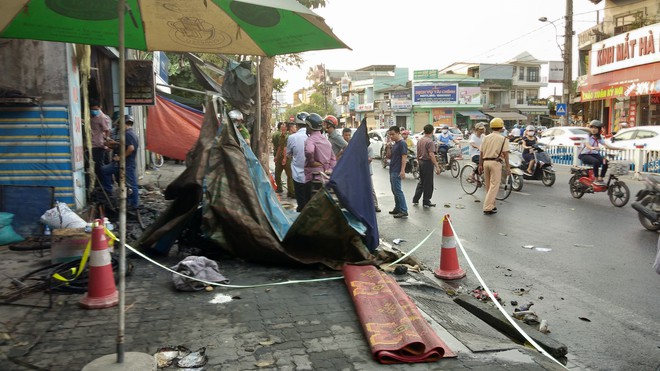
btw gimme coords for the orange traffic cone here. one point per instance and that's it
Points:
(101, 289)
(449, 268)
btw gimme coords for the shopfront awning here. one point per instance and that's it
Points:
(474, 115)
(507, 115)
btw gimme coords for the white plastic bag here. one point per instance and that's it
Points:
(62, 217)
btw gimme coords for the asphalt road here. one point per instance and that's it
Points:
(599, 266)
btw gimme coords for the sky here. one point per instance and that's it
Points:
(432, 34)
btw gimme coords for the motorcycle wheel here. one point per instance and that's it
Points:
(517, 182)
(548, 178)
(646, 223)
(469, 181)
(157, 159)
(574, 185)
(415, 170)
(619, 194)
(455, 169)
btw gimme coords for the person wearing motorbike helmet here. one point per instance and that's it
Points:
(494, 155)
(236, 117)
(405, 134)
(528, 143)
(337, 140)
(590, 151)
(295, 149)
(319, 157)
(444, 140)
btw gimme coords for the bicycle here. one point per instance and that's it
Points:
(471, 180)
(156, 159)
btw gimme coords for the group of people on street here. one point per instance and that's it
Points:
(105, 152)
(305, 154)
(310, 155)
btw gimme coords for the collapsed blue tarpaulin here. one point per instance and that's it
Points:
(351, 181)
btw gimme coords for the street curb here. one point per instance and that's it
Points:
(494, 318)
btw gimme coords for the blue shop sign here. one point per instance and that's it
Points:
(434, 94)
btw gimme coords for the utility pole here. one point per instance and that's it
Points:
(325, 90)
(568, 61)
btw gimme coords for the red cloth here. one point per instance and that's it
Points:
(396, 331)
(172, 128)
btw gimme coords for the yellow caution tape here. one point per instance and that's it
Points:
(75, 272)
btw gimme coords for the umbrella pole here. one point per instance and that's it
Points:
(122, 184)
(136, 361)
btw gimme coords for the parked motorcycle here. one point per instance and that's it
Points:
(648, 203)
(543, 170)
(583, 180)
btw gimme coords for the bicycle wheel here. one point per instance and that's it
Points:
(157, 159)
(469, 177)
(506, 186)
(455, 168)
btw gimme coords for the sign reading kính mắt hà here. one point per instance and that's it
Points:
(634, 48)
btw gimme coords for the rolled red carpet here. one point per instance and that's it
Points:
(396, 331)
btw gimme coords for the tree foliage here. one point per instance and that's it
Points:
(317, 104)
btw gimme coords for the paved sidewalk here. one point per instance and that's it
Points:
(304, 326)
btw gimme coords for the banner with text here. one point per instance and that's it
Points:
(435, 94)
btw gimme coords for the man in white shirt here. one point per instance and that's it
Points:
(295, 147)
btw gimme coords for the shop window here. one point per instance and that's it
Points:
(627, 22)
(520, 97)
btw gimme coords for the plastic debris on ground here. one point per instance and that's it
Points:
(194, 359)
(220, 299)
(166, 356)
(398, 241)
(481, 294)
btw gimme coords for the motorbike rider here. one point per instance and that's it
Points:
(444, 139)
(528, 143)
(405, 134)
(236, 118)
(590, 151)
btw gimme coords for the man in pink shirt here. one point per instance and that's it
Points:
(100, 125)
(319, 157)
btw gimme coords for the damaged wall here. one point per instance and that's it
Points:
(36, 68)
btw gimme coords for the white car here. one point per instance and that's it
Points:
(377, 140)
(564, 135)
(456, 132)
(648, 136)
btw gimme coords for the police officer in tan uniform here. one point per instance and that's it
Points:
(494, 155)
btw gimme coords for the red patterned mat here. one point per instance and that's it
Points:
(396, 331)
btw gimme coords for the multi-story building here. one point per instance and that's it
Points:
(445, 98)
(510, 90)
(375, 93)
(619, 65)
